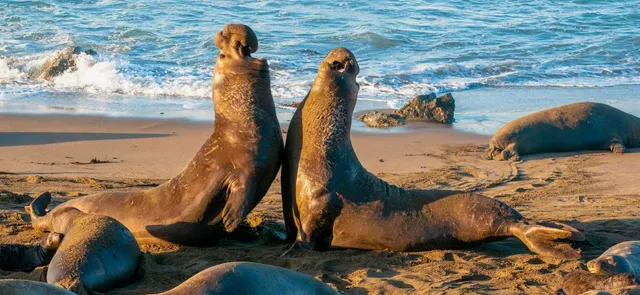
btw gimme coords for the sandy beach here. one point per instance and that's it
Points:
(592, 191)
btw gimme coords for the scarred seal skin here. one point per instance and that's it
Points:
(28, 257)
(622, 258)
(97, 253)
(24, 287)
(250, 278)
(331, 200)
(572, 127)
(230, 173)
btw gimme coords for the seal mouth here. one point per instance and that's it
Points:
(342, 66)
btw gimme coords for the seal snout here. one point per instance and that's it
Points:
(238, 37)
(342, 60)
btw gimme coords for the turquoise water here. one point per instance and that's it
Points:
(501, 59)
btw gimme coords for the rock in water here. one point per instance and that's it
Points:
(430, 107)
(379, 120)
(64, 60)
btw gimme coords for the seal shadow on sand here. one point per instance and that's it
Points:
(37, 138)
(531, 157)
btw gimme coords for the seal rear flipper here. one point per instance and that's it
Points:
(542, 240)
(237, 206)
(38, 206)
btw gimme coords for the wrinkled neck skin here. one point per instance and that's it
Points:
(236, 97)
(326, 123)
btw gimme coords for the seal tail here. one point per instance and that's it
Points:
(542, 239)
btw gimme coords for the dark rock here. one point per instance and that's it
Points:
(63, 61)
(429, 107)
(380, 120)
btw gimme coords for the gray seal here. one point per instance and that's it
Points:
(251, 278)
(25, 287)
(230, 173)
(28, 257)
(572, 127)
(620, 258)
(97, 253)
(331, 200)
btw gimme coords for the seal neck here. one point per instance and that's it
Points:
(327, 116)
(243, 99)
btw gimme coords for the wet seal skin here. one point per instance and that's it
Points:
(572, 127)
(251, 278)
(331, 201)
(28, 257)
(230, 173)
(97, 253)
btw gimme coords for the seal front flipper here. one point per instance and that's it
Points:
(616, 146)
(543, 240)
(38, 206)
(240, 195)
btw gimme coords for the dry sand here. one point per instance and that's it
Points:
(592, 191)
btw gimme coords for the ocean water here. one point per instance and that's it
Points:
(501, 59)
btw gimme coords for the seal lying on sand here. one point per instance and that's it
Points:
(231, 172)
(24, 287)
(251, 278)
(620, 258)
(572, 127)
(27, 257)
(332, 200)
(97, 252)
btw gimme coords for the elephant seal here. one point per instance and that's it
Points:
(620, 258)
(28, 257)
(97, 253)
(580, 281)
(25, 287)
(251, 278)
(572, 127)
(331, 200)
(230, 173)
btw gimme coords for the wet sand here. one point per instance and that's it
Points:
(592, 191)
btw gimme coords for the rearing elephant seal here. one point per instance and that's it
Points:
(572, 127)
(620, 258)
(333, 201)
(97, 252)
(231, 172)
(250, 278)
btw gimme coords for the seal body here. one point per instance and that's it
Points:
(331, 200)
(251, 278)
(620, 258)
(97, 252)
(25, 287)
(230, 173)
(572, 127)
(28, 257)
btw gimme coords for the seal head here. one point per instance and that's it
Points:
(610, 265)
(236, 43)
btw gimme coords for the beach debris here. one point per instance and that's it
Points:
(34, 179)
(60, 63)
(378, 119)
(426, 107)
(93, 160)
(429, 107)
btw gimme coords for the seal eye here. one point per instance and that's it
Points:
(222, 55)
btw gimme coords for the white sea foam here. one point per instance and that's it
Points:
(8, 74)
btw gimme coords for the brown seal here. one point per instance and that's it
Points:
(572, 127)
(580, 281)
(250, 278)
(331, 200)
(28, 257)
(231, 172)
(97, 253)
(25, 287)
